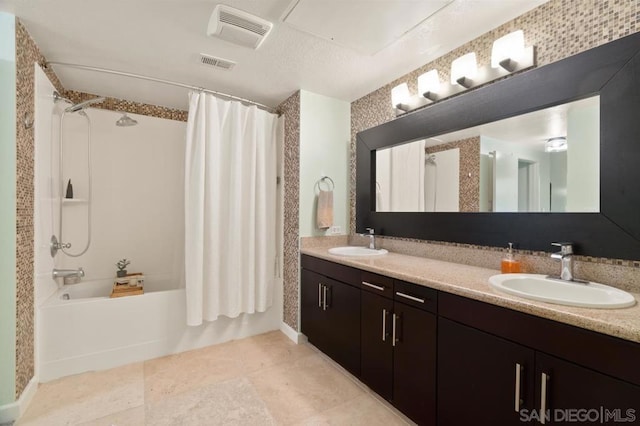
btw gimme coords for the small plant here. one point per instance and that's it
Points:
(122, 264)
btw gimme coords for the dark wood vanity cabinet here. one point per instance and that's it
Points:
(330, 316)
(482, 379)
(449, 360)
(506, 367)
(398, 341)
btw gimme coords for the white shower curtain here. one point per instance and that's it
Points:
(230, 208)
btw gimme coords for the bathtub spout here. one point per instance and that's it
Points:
(67, 273)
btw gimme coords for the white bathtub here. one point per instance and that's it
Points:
(91, 331)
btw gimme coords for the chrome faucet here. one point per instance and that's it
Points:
(372, 237)
(565, 256)
(67, 273)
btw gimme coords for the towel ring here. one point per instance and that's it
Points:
(323, 179)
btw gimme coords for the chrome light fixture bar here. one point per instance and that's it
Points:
(508, 56)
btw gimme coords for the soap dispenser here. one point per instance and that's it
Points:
(509, 264)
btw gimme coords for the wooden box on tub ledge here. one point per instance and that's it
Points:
(130, 285)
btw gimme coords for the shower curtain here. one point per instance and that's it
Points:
(230, 208)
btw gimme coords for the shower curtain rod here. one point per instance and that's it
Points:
(160, 80)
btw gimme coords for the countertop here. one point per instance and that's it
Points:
(473, 282)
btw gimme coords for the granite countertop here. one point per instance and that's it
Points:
(473, 282)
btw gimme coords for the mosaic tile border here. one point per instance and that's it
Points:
(290, 108)
(114, 104)
(27, 53)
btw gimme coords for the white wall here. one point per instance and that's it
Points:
(583, 158)
(507, 154)
(138, 184)
(325, 131)
(7, 209)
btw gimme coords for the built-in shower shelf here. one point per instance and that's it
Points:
(73, 201)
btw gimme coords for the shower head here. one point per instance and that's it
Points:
(126, 121)
(430, 159)
(83, 105)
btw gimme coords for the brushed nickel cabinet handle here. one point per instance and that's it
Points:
(543, 397)
(384, 325)
(393, 337)
(518, 391)
(324, 298)
(377, 287)
(319, 295)
(407, 296)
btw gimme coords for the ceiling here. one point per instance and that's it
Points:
(339, 48)
(532, 129)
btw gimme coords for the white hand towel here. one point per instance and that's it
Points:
(324, 214)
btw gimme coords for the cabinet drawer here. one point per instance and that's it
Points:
(336, 271)
(415, 295)
(378, 284)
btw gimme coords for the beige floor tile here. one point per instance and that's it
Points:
(131, 417)
(269, 349)
(174, 374)
(233, 402)
(364, 410)
(84, 397)
(303, 388)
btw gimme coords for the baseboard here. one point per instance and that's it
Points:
(292, 334)
(12, 412)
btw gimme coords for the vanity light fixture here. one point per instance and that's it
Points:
(557, 144)
(508, 50)
(464, 69)
(508, 56)
(400, 97)
(429, 85)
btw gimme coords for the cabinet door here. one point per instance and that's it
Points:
(377, 350)
(312, 317)
(414, 363)
(478, 377)
(574, 394)
(343, 325)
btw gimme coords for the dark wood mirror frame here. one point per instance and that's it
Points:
(611, 71)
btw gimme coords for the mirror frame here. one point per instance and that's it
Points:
(611, 71)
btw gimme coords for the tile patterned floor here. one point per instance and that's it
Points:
(261, 380)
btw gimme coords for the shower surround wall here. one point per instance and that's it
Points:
(138, 187)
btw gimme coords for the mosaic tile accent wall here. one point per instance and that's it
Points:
(291, 257)
(469, 175)
(27, 54)
(114, 104)
(558, 29)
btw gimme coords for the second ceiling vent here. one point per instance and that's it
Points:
(238, 27)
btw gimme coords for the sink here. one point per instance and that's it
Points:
(356, 251)
(539, 287)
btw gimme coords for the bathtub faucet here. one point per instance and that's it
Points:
(68, 273)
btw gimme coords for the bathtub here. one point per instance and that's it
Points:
(82, 329)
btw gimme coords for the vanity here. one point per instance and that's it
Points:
(436, 341)
(434, 338)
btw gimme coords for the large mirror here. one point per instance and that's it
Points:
(591, 197)
(543, 161)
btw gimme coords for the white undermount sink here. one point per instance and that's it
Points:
(539, 287)
(356, 251)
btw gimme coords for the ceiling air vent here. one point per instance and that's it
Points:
(220, 63)
(238, 27)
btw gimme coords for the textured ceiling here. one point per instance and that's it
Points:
(163, 38)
